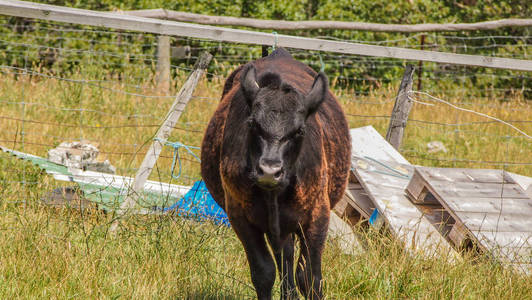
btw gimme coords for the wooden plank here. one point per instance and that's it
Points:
(495, 222)
(459, 235)
(508, 206)
(122, 182)
(182, 16)
(499, 225)
(503, 239)
(126, 22)
(152, 155)
(467, 175)
(367, 142)
(341, 206)
(401, 110)
(417, 192)
(417, 189)
(386, 190)
(524, 181)
(509, 246)
(360, 199)
(466, 190)
(355, 205)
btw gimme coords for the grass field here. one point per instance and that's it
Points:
(50, 253)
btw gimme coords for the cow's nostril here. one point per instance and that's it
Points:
(278, 174)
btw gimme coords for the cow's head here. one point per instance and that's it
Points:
(277, 124)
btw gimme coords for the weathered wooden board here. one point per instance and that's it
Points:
(355, 206)
(366, 141)
(496, 222)
(488, 207)
(467, 190)
(524, 181)
(384, 175)
(361, 199)
(182, 16)
(515, 239)
(469, 175)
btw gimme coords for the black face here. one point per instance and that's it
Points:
(277, 125)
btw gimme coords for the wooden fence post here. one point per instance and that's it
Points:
(163, 63)
(401, 109)
(420, 64)
(161, 137)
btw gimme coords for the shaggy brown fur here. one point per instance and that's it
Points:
(315, 181)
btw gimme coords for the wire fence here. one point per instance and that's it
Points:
(64, 83)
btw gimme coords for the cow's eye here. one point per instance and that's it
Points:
(257, 128)
(294, 134)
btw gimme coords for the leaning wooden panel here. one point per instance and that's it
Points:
(384, 175)
(497, 216)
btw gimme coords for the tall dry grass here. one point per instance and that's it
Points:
(51, 253)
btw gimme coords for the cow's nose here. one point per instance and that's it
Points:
(270, 173)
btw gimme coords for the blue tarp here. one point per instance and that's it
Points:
(198, 203)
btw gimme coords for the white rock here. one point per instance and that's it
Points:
(79, 155)
(436, 146)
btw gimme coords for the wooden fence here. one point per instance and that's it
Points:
(181, 16)
(164, 27)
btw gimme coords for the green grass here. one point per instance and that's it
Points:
(50, 253)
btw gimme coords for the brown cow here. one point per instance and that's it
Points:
(276, 156)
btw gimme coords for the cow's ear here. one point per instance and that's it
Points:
(248, 82)
(317, 93)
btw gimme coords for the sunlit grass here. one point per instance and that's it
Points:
(49, 253)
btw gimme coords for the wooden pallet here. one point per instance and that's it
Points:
(384, 174)
(355, 206)
(486, 208)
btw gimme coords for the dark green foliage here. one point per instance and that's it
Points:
(360, 73)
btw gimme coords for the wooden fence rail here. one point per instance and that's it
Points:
(126, 22)
(180, 16)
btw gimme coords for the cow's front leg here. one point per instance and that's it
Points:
(285, 266)
(261, 264)
(308, 271)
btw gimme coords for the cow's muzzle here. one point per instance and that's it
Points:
(269, 174)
